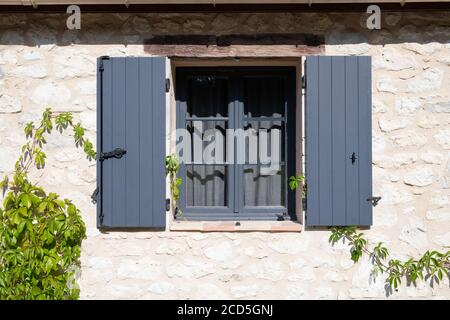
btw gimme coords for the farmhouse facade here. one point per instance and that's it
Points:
(363, 113)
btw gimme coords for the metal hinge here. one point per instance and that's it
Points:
(116, 153)
(167, 204)
(303, 82)
(304, 204)
(374, 200)
(101, 67)
(167, 85)
(101, 216)
(94, 195)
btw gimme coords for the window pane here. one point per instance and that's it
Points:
(206, 185)
(264, 142)
(207, 141)
(264, 97)
(208, 97)
(264, 186)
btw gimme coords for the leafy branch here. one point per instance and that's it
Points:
(432, 266)
(172, 168)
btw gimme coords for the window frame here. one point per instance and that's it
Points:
(235, 210)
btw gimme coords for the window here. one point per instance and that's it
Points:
(226, 176)
(235, 126)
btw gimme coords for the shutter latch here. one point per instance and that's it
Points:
(353, 158)
(374, 200)
(116, 153)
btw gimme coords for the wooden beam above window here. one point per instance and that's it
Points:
(244, 45)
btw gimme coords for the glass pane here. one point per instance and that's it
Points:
(206, 185)
(264, 186)
(264, 142)
(264, 97)
(208, 97)
(207, 141)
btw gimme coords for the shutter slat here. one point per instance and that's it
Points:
(107, 142)
(365, 141)
(312, 141)
(119, 141)
(132, 142)
(325, 143)
(159, 147)
(338, 124)
(338, 139)
(351, 97)
(133, 95)
(145, 183)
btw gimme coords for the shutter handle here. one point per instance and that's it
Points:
(353, 158)
(116, 153)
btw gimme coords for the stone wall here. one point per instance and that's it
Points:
(42, 63)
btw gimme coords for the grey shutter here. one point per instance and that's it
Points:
(338, 123)
(131, 116)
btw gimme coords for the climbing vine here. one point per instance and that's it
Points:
(433, 266)
(40, 233)
(172, 168)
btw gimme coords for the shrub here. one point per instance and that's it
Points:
(40, 233)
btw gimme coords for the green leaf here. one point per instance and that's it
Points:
(26, 200)
(42, 206)
(295, 181)
(23, 211)
(20, 229)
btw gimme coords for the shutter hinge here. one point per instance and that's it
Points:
(101, 218)
(304, 204)
(94, 201)
(116, 153)
(167, 85)
(303, 82)
(101, 67)
(374, 200)
(167, 204)
(94, 195)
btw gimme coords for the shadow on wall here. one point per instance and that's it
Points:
(37, 29)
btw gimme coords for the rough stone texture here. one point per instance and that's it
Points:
(42, 63)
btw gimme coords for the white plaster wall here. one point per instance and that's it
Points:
(42, 63)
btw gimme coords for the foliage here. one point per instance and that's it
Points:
(432, 266)
(296, 181)
(172, 168)
(40, 233)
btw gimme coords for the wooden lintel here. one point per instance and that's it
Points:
(241, 51)
(235, 45)
(239, 39)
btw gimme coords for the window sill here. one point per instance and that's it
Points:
(230, 226)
